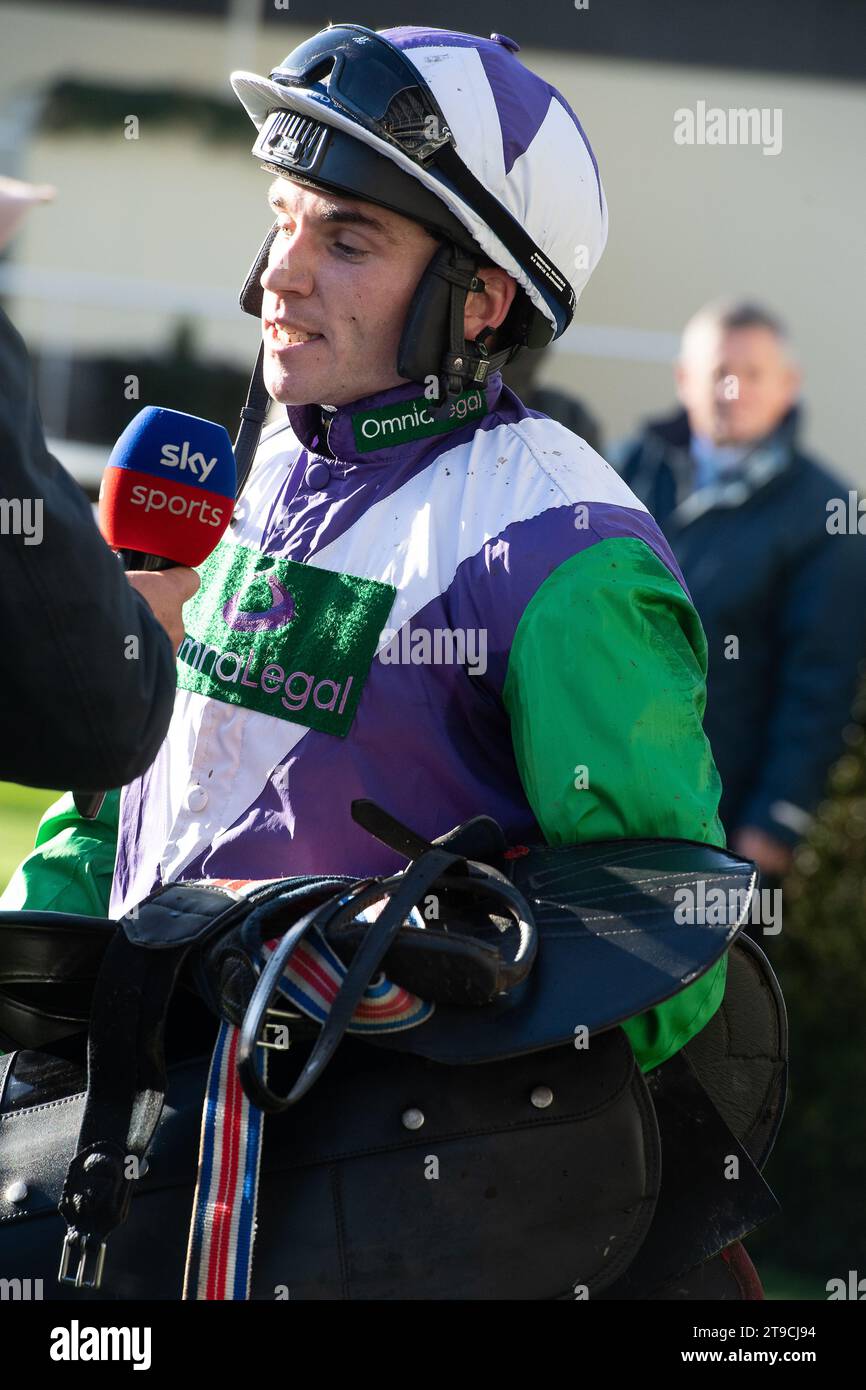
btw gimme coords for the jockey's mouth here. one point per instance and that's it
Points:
(282, 334)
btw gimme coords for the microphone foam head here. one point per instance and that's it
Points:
(169, 486)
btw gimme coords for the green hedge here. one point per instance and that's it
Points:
(72, 106)
(818, 1167)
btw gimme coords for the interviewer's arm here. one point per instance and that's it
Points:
(88, 671)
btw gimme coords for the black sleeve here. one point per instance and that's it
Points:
(87, 671)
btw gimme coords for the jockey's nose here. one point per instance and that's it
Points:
(291, 264)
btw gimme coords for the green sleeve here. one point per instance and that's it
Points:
(72, 865)
(605, 689)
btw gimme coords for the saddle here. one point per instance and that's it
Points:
(453, 1109)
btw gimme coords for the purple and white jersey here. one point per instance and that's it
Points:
(351, 637)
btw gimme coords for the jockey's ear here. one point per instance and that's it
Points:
(488, 308)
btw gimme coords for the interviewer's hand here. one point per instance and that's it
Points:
(166, 591)
(771, 856)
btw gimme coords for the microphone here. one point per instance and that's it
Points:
(166, 498)
(168, 490)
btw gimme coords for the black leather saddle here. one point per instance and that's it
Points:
(485, 1152)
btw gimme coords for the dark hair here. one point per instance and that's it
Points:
(730, 314)
(727, 315)
(745, 314)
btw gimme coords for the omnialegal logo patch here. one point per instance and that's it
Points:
(287, 639)
(388, 425)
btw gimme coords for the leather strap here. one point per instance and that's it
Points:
(403, 891)
(480, 838)
(383, 826)
(253, 416)
(126, 1074)
(126, 1082)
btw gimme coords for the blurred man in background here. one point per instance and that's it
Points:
(780, 595)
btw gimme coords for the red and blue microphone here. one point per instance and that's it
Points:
(168, 490)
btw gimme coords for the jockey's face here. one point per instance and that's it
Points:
(343, 271)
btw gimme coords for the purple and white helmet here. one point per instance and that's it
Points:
(490, 140)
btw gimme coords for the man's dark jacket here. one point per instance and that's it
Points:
(88, 677)
(762, 567)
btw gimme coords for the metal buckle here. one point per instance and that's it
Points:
(71, 1239)
(277, 1014)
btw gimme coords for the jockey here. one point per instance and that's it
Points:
(429, 595)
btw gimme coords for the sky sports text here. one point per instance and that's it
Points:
(178, 456)
(153, 499)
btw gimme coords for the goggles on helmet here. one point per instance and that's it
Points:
(370, 80)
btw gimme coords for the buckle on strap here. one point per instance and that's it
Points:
(89, 1254)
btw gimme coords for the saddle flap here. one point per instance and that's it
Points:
(711, 1192)
(347, 1207)
(741, 1056)
(47, 947)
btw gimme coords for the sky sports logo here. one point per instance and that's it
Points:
(154, 499)
(178, 456)
(169, 487)
(196, 468)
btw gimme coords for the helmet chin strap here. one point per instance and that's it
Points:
(253, 414)
(433, 349)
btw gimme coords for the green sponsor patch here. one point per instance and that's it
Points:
(290, 640)
(396, 424)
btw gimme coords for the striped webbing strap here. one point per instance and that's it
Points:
(220, 1251)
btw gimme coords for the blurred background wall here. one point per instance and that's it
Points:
(144, 250)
